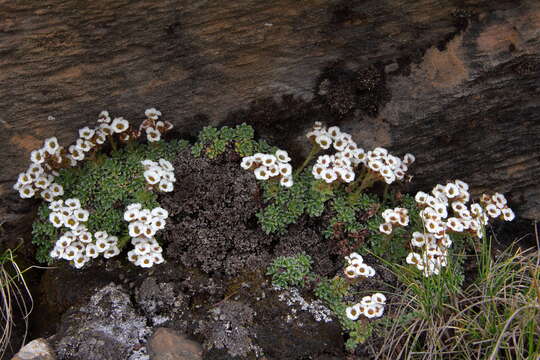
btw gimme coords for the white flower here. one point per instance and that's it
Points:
(285, 169)
(112, 240)
(286, 181)
(261, 173)
(119, 125)
(144, 216)
(408, 159)
(142, 248)
(354, 256)
(454, 224)
(134, 206)
(56, 219)
(136, 229)
(80, 260)
(247, 162)
(92, 251)
(329, 175)
(159, 212)
(317, 171)
(81, 215)
(166, 165)
(166, 186)
(353, 312)
(132, 256)
(152, 113)
(351, 272)
(102, 245)
(131, 215)
(157, 258)
(111, 252)
(145, 261)
(37, 156)
(493, 210)
(379, 298)
(51, 145)
(282, 156)
(152, 134)
(414, 259)
(418, 239)
(73, 203)
(47, 195)
(101, 235)
(269, 160)
(42, 182)
(273, 170)
(152, 176)
(85, 237)
(70, 252)
(451, 190)
(71, 222)
(508, 214)
(56, 253)
(385, 228)
(86, 133)
(26, 192)
(76, 153)
(324, 141)
(149, 231)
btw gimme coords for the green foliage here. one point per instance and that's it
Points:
(347, 210)
(331, 292)
(105, 186)
(289, 271)
(213, 142)
(394, 247)
(286, 205)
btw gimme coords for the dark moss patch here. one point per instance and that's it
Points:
(344, 90)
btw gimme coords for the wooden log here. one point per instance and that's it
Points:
(454, 82)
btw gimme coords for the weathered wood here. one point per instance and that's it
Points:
(455, 82)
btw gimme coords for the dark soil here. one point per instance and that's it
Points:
(213, 224)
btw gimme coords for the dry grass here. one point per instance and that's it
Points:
(494, 316)
(15, 298)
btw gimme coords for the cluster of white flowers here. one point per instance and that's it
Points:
(153, 127)
(78, 244)
(357, 267)
(39, 177)
(159, 175)
(341, 165)
(68, 213)
(496, 206)
(394, 218)
(387, 166)
(266, 166)
(89, 138)
(143, 226)
(370, 306)
(446, 211)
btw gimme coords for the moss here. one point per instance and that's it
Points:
(289, 271)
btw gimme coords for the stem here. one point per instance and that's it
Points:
(367, 181)
(113, 143)
(314, 150)
(385, 194)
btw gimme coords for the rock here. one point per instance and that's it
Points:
(159, 301)
(107, 327)
(167, 344)
(38, 349)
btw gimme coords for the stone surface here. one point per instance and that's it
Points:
(107, 327)
(167, 344)
(38, 349)
(464, 96)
